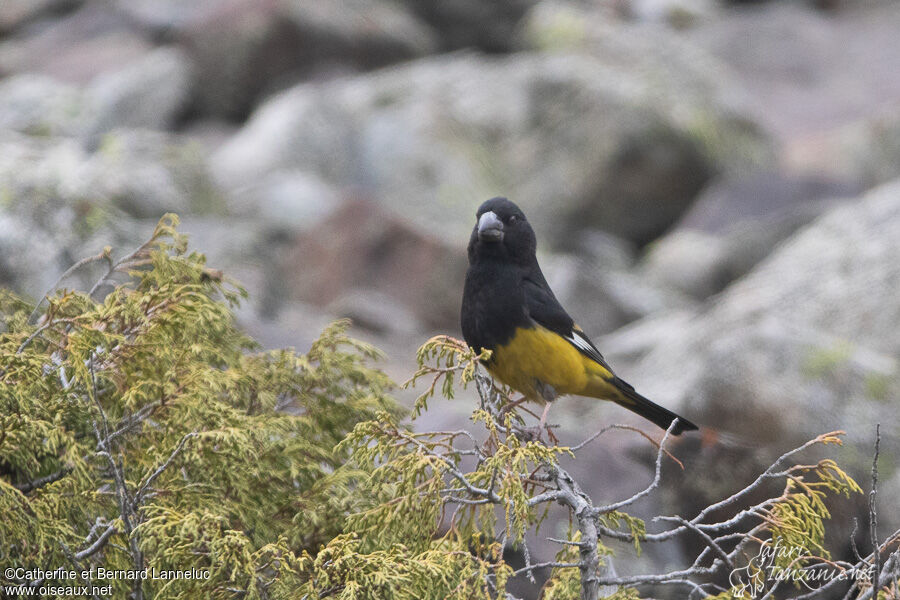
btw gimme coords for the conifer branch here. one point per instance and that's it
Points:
(42, 481)
(142, 490)
(98, 543)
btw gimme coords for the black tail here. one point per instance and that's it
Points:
(649, 409)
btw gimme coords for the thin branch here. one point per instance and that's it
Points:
(104, 254)
(42, 481)
(706, 538)
(567, 542)
(671, 577)
(98, 544)
(142, 490)
(873, 513)
(544, 565)
(653, 484)
(113, 266)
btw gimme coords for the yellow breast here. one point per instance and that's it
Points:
(540, 355)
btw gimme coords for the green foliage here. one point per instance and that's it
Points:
(144, 430)
(224, 455)
(450, 356)
(798, 517)
(564, 583)
(423, 535)
(635, 526)
(431, 527)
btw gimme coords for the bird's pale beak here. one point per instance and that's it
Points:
(490, 228)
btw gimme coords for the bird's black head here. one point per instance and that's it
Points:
(501, 231)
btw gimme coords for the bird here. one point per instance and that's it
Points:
(536, 347)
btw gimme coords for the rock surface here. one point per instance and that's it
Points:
(149, 93)
(694, 171)
(797, 347)
(77, 47)
(359, 246)
(734, 224)
(575, 139)
(61, 202)
(245, 49)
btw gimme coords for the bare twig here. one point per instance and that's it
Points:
(653, 484)
(715, 547)
(98, 543)
(113, 266)
(104, 254)
(545, 565)
(873, 513)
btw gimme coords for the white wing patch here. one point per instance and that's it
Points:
(586, 347)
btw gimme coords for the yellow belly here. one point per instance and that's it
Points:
(540, 355)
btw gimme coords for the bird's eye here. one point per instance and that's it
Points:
(513, 218)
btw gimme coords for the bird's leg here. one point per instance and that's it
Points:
(543, 425)
(548, 393)
(544, 415)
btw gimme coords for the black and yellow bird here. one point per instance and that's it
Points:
(536, 347)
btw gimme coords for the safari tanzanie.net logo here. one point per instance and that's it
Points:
(778, 563)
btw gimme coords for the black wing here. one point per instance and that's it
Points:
(545, 310)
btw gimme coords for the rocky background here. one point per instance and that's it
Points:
(715, 186)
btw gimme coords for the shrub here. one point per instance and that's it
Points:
(144, 430)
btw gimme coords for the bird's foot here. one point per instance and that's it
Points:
(543, 425)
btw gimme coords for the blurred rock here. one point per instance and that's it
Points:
(626, 346)
(148, 173)
(836, 277)
(296, 325)
(29, 257)
(803, 344)
(287, 202)
(245, 48)
(764, 195)
(164, 19)
(679, 78)
(210, 134)
(360, 247)
(693, 262)
(579, 141)
(238, 47)
(39, 105)
(735, 224)
(602, 299)
(376, 312)
(679, 14)
(64, 203)
(36, 168)
(152, 92)
(867, 150)
(488, 26)
(230, 243)
(808, 71)
(50, 214)
(77, 47)
(14, 13)
(364, 33)
(650, 179)
(602, 249)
